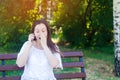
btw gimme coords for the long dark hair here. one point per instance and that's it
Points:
(52, 46)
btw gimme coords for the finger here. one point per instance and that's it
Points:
(31, 37)
(41, 36)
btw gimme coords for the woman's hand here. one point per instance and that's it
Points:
(43, 40)
(31, 38)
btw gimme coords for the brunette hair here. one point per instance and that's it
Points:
(50, 43)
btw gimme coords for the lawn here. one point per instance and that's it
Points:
(99, 62)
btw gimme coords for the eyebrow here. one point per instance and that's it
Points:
(36, 29)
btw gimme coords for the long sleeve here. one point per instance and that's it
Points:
(57, 55)
(23, 48)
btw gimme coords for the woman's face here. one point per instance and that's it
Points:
(40, 29)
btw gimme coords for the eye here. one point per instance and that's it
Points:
(43, 30)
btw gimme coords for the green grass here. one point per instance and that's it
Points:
(105, 53)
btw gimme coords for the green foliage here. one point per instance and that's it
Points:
(86, 23)
(14, 23)
(69, 16)
(102, 22)
(81, 23)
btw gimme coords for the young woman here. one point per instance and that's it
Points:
(39, 54)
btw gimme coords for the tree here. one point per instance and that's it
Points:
(82, 23)
(14, 22)
(116, 15)
(16, 19)
(85, 23)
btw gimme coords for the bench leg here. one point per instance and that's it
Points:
(81, 60)
(3, 72)
(83, 78)
(82, 68)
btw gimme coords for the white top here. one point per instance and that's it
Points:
(38, 66)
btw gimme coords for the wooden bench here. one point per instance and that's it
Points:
(79, 64)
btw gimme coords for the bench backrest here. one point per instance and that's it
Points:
(67, 55)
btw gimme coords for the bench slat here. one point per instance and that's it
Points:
(66, 54)
(9, 67)
(72, 54)
(65, 65)
(73, 64)
(58, 76)
(11, 78)
(70, 75)
(8, 56)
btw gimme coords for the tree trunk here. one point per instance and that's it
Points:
(116, 16)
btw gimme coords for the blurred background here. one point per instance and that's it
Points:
(76, 25)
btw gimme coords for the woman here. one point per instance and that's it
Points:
(39, 54)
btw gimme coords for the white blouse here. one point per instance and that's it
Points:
(38, 66)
